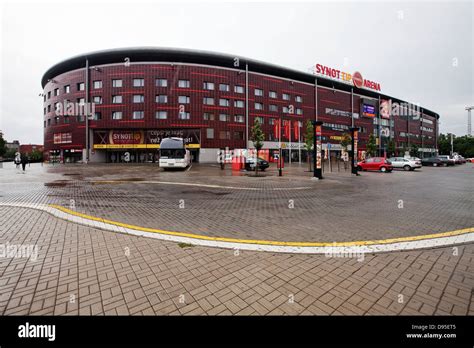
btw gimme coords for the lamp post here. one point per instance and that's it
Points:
(355, 138)
(317, 148)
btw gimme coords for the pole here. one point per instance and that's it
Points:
(421, 131)
(289, 148)
(86, 109)
(299, 142)
(452, 147)
(380, 130)
(279, 169)
(352, 107)
(246, 106)
(355, 139)
(317, 145)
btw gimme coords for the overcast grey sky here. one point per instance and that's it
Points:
(418, 51)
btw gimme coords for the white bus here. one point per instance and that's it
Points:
(173, 153)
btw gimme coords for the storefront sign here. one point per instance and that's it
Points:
(356, 79)
(121, 137)
(335, 112)
(318, 132)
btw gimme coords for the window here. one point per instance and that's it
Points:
(259, 119)
(239, 103)
(224, 87)
(285, 96)
(49, 108)
(67, 89)
(117, 99)
(239, 119)
(49, 122)
(97, 84)
(81, 101)
(44, 111)
(273, 107)
(224, 135)
(239, 89)
(285, 109)
(117, 83)
(138, 115)
(299, 111)
(97, 116)
(208, 101)
(56, 92)
(258, 106)
(81, 118)
(44, 124)
(138, 98)
(271, 121)
(183, 84)
(298, 99)
(259, 92)
(116, 115)
(161, 115)
(138, 82)
(161, 99)
(224, 117)
(161, 83)
(272, 94)
(184, 115)
(56, 120)
(80, 86)
(208, 86)
(49, 95)
(210, 133)
(182, 99)
(44, 97)
(208, 117)
(224, 102)
(238, 135)
(97, 100)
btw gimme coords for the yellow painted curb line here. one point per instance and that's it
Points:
(268, 242)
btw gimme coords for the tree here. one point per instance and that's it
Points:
(309, 140)
(414, 150)
(3, 148)
(257, 138)
(346, 139)
(444, 144)
(371, 146)
(391, 148)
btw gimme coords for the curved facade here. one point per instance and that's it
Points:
(138, 96)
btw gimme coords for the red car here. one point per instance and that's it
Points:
(375, 163)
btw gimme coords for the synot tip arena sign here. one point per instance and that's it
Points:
(356, 78)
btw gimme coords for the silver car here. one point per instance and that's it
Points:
(405, 163)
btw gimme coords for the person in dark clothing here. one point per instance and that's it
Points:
(24, 161)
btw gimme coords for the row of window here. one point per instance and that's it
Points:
(182, 99)
(160, 82)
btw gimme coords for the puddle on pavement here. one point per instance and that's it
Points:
(57, 183)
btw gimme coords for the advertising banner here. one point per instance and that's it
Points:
(385, 109)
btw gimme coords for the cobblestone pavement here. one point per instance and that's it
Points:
(81, 270)
(86, 271)
(292, 208)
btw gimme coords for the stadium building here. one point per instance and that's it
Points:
(137, 96)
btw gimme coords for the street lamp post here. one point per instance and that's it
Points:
(355, 138)
(317, 148)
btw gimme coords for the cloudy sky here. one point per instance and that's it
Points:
(419, 51)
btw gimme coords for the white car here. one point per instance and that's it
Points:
(405, 163)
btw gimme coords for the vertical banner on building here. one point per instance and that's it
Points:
(317, 149)
(355, 139)
(276, 129)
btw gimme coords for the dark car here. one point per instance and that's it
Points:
(432, 161)
(250, 164)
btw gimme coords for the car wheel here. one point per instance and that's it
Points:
(445, 164)
(383, 169)
(359, 168)
(435, 164)
(406, 168)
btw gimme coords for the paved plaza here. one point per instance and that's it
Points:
(85, 270)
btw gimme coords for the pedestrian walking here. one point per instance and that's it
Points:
(24, 161)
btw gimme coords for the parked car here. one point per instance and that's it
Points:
(375, 163)
(458, 159)
(471, 160)
(447, 160)
(405, 163)
(250, 164)
(432, 161)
